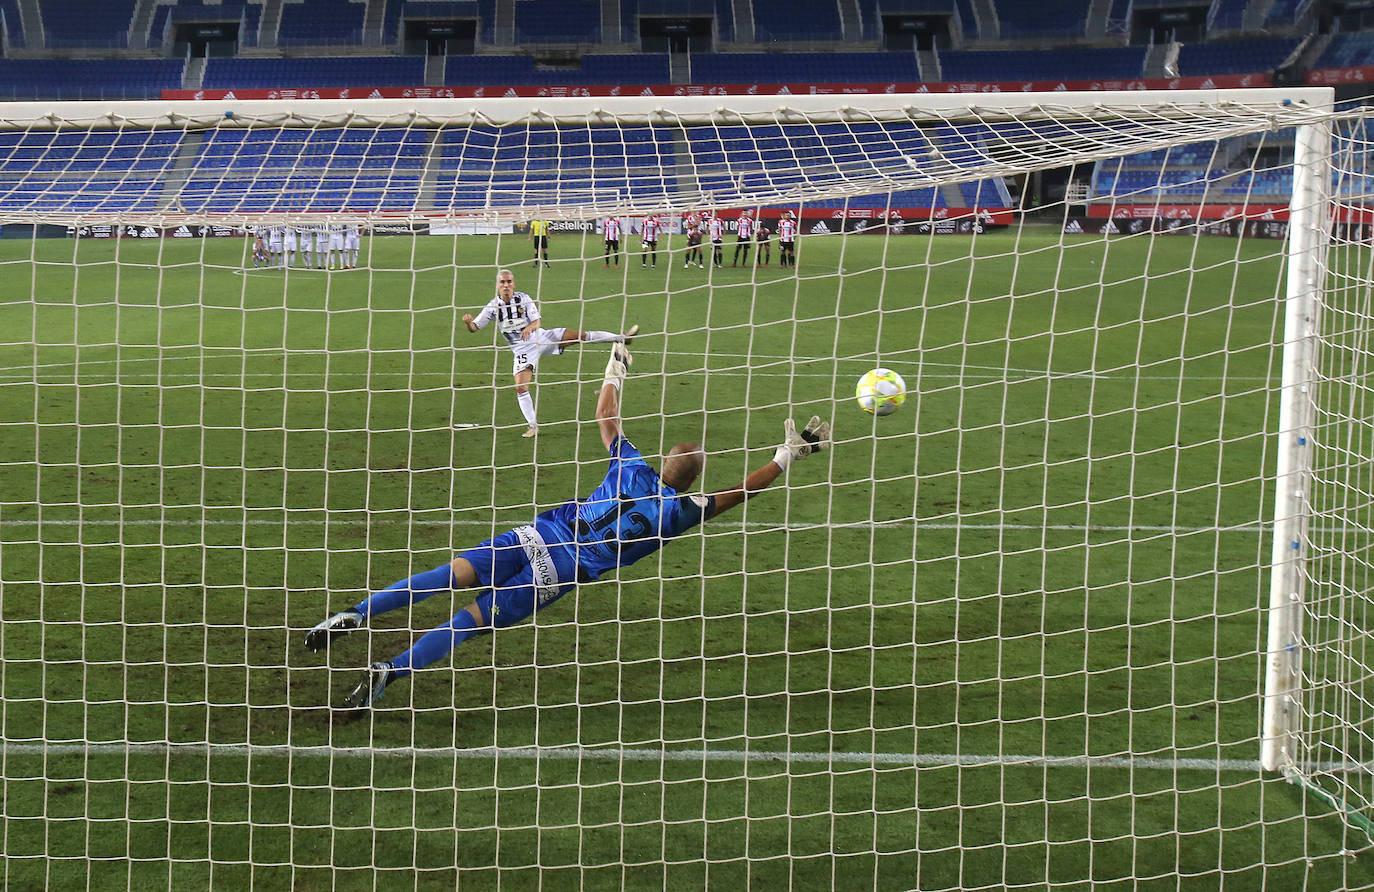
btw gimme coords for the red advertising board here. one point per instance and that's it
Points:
(1321, 77)
(1189, 211)
(1220, 81)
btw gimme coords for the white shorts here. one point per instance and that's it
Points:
(541, 343)
(352, 241)
(290, 241)
(336, 241)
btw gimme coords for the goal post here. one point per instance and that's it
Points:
(1075, 613)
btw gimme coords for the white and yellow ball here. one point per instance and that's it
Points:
(880, 392)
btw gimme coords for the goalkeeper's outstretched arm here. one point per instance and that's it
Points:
(796, 444)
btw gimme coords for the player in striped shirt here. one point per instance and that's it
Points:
(787, 240)
(633, 513)
(610, 230)
(648, 240)
(746, 236)
(517, 317)
(716, 229)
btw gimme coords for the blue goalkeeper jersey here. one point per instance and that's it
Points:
(630, 515)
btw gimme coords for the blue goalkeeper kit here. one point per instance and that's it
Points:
(630, 515)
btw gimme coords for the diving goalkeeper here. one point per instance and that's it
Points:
(633, 513)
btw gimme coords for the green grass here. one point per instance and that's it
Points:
(1054, 549)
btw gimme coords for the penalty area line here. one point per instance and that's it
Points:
(646, 754)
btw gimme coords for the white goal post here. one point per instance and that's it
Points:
(1077, 612)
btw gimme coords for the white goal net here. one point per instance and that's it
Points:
(1089, 608)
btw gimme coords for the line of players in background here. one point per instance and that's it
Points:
(321, 246)
(749, 232)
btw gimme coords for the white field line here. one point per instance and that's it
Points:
(902, 524)
(646, 754)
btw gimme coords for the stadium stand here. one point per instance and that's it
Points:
(797, 20)
(321, 22)
(1348, 51)
(87, 171)
(247, 15)
(398, 11)
(80, 23)
(88, 78)
(13, 23)
(1235, 56)
(373, 71)
(1227, 15)
(1036, 18)
(557, 21)
(1285, 12)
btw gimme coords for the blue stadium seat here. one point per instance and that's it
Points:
(557, 21)
(1350, 50)
(797, 20)
(1235, 56)
(248, 15)
(1036, 18)
(484, 11)
(81, 23)
(315, 22)
(1227, 15)
(88, 78)
(14, 24)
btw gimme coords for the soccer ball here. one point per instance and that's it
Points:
(880, 392)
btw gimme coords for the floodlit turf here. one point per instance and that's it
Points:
(888, 674)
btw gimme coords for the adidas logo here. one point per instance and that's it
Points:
(820, 228)
(375, 94)
(784, 91)
(646, 92)
(181, 232)
(1073, 227)
(1110, 228)
(230, 95)
(510, 93)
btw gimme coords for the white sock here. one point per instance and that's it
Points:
(526, 401)
(601, 337)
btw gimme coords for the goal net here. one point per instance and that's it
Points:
(1089, 608)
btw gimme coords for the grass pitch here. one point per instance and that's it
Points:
(1010, 636)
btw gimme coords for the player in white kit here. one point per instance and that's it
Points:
(517, 316)
(352, 241)
(274, 244)
(288, 243)
(336, 245)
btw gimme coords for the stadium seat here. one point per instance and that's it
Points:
(80, 23)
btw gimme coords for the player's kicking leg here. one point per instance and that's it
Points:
(338, 625)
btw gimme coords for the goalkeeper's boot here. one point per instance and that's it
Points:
(629, 335)
(338, 625)
(369, 690)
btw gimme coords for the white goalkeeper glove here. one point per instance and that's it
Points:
(798, 444)
(615, 366)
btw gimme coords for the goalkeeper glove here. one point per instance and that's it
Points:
(615, 366)
(797, 444)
